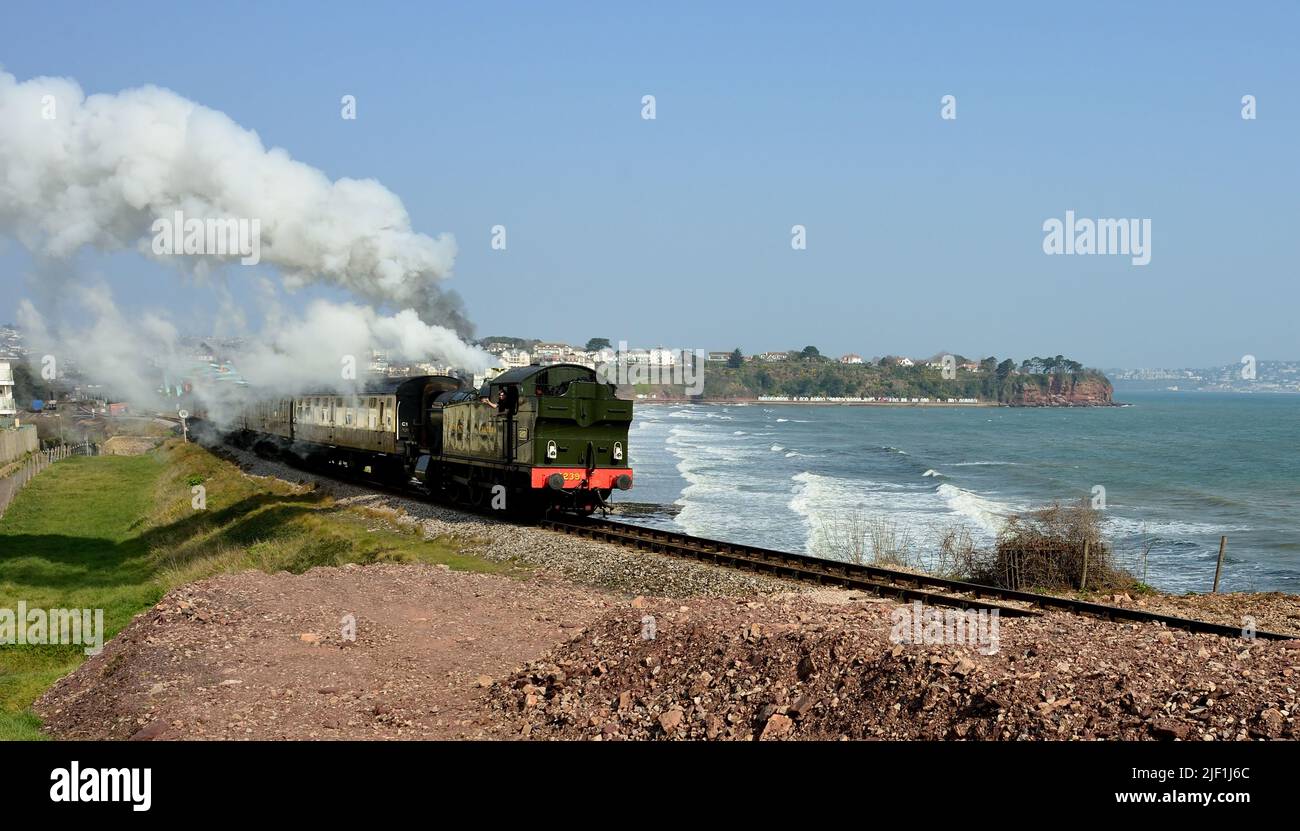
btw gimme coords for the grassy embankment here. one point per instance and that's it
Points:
(116, 532)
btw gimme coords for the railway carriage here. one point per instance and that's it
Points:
(533, 438)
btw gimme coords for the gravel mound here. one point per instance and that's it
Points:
(384, 651)
(796, 668)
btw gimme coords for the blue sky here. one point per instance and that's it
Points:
(923, 234)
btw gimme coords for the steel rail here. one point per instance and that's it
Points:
(883, 581)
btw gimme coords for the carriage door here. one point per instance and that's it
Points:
(508, 406)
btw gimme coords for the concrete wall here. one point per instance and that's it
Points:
(15, 442)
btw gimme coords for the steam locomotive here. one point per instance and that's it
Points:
(533, 439)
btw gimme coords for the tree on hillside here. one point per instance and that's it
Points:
(513, 343)
(596, 344)
(737, 360)
(810, 352)
(832, 385)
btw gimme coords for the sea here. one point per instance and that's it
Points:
(1175, 471)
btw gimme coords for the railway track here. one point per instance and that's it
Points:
(884, 582)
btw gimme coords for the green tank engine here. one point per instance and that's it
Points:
(533, 438)
(555, 435)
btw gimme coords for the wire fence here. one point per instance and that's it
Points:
(29, 468)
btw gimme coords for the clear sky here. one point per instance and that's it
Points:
(923, 234)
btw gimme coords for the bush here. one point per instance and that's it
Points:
(1042, 550)
(1047, 549)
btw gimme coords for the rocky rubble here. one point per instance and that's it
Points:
(796, 668)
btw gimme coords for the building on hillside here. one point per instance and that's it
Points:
(512, 358)
(560, 353)
(11, 343)
(851, 359)
(583, 357)
(906, 362)
(774, 356)
(7, 406)
(497, 347)
(427, 368)
(549, 353)
(658, 356)
(378, 364)
(719, 356)
(663, 357)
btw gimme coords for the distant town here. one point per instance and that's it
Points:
(1248, 376)
(515, 352)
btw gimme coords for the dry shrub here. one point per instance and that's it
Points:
(957, 557)
(1041, 550)
(1045, 549)
(867, 540)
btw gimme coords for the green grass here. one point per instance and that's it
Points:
(116, 532)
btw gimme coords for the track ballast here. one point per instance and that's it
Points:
(884, 582)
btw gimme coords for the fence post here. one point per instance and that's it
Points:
(1223, 543)
(1083, 584)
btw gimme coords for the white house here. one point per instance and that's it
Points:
(663, 357)
(553, 351)
(511, 358)
(851, 358)
(906, 362)
(7, 407)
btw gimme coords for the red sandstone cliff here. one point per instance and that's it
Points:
(1064, 391)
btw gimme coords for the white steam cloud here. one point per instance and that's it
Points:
(98, 170)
